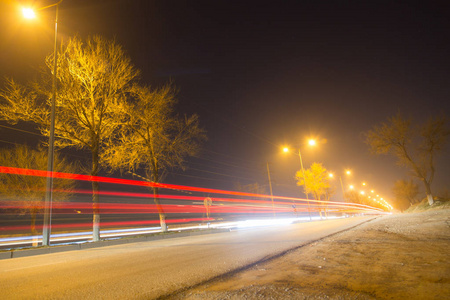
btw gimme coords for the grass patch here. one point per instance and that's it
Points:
(439, 203)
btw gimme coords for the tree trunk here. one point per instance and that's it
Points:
(162, 215)
(33, 226)
(96, 212)
(319, 205)
(428, 191)
(95, 200)
(422, 176)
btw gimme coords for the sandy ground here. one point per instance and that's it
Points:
(401, 256)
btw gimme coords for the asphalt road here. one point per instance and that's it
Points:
(147, 270)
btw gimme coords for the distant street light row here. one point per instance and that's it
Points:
(372, 196)
(347, 172)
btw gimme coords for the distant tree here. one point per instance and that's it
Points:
(354, 197)
(415, 148)
(253, 188)
(316, 180)
(93, 80)
(153, 138)
(405, 193)
(29, 191)
(330, 191)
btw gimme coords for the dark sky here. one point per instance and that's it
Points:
(263, 74)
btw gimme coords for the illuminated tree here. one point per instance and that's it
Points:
(93, 80)
(253, 188)
(405, 192)
(316, 181)
(354, 197)
(153, 138)
(29, 191)
(415, 148)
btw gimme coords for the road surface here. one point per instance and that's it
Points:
(147, 270)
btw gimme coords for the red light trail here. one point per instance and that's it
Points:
(227, 205)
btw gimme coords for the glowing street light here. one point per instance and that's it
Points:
(351, 187)
(29, 14)
(312, 142)
(330, 175)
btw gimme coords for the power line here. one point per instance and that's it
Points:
(2, 141)
(221, 174)
(233, 123)
(221, 163)
(26, 131)
(200, 177)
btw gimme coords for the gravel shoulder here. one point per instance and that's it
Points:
(400, 256)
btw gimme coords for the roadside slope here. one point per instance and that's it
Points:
(395, 257)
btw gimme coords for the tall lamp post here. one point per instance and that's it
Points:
(29, 13)
(348, 172)
(304, 178)
(286, 149)
(270, 186)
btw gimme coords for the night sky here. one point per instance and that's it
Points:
(264, 74)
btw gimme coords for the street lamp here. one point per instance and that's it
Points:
(29, 14)
(348, 173)
(271, 193)
(311, 142)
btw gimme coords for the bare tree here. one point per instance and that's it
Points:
(253, 188)
(29, 191)
(153, 138)
(354, 197)
(414, 148)
(93, 80)
(405, 192)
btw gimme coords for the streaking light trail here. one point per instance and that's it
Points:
(128, 213)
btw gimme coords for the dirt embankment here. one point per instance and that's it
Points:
(402, 256)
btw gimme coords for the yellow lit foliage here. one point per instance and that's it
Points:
(316, 181)
(93, 78)
(29, 191)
